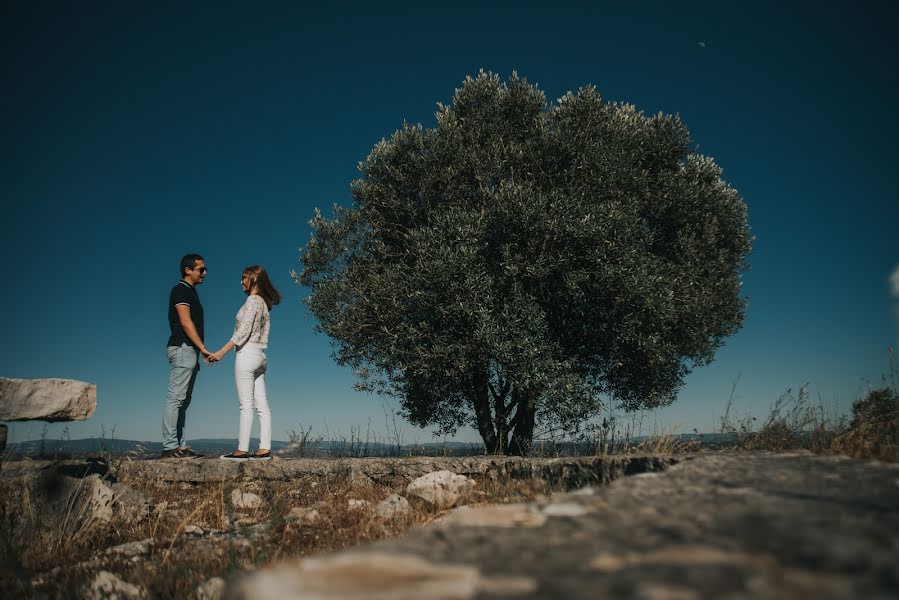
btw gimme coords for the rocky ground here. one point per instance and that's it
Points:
(739, 525)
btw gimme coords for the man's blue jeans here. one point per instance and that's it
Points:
(184, 364)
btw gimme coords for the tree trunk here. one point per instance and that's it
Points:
(480, 400)
(502, 425)
(525, 417)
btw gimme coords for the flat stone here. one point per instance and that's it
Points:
(46, 399)
(495, 515)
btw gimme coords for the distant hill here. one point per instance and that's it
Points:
(217, 446)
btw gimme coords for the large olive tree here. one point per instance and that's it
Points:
(522, 260)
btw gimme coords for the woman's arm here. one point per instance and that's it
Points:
(222, 351)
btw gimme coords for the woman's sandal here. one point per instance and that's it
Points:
(233, 456)
(265, 456)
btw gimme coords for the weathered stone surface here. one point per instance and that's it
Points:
(442, 489)
(107, 586)
(728, 525)
(46, 399)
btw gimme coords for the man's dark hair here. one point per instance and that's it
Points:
(189, 261)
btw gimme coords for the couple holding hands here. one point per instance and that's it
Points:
(185, 347)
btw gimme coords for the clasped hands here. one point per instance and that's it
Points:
(210, 358)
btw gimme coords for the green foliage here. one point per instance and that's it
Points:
(522, 259)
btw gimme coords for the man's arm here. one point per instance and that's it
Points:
(190, 329)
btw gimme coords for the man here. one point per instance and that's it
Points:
(183, 350)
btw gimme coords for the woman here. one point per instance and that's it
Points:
(251, 338)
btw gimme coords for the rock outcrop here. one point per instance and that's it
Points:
(730, 525)
(46, 399)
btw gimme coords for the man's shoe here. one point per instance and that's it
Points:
(189, 453)
(173, 453)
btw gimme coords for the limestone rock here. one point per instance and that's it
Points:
(375, 575)
(393, 507)
(245, 500)
(213, 589)
(193, 530)
(46, 399)
(302, 514)
(130, 549)
(441, 489)
(107, 586)
(91, 500)
(353, 504)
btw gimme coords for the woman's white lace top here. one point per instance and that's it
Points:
(252, 323)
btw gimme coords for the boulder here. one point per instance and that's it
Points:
(46, 399)
(441, 489)
(393, 507)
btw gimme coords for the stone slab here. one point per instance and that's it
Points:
(718, 526)
(565, 472)
(46, 399)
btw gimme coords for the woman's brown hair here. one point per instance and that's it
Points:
(259, 279)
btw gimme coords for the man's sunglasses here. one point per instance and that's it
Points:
(200, 269)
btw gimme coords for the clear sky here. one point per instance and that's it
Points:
(134, 132)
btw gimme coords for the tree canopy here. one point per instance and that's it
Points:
(522, 260)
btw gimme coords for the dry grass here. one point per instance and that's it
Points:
(64, 557)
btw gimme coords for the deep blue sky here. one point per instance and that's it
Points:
(135, 132)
